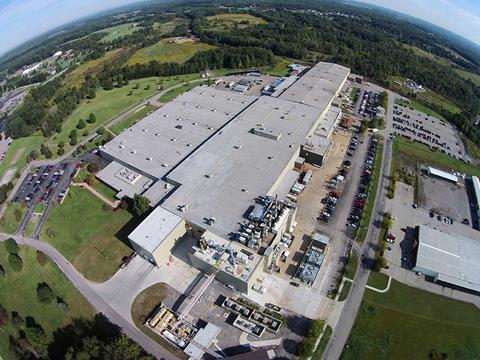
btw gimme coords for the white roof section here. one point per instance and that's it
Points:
(155, 229)
(204, 337)
(222, 178)
(442, 174)
(454, 258)
(476, 190)
(156, 144)
(318, 86)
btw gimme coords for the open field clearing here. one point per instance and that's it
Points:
(407, 323)
(116, 32)
(10, 221)
(227, 21)
(169, 50)
(166, 27)
(77, 76)
(16, 157)
(89, 234)
(279, 68)
(18, 293)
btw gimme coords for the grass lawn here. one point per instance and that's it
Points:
(132, 119)
(279, 67)
(172, 94)
(408, 323)
(16, 157)
(168, 50)
(77, 76)
(431, 97)
(18, 293)
(420, 107)
(142, 307)
(227, 21)
(372, 194)
(345, 290)
(116, 32)
(378, 280)
(89, 234)
(327, 333)
(107, 105)
(408, 153)
(352, 267)
(10, 221)
(169, 26)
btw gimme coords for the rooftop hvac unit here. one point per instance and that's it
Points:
(122, 146)
(134, 151)
(149, 158)
(194, 123)
(164, 165)
(189, 145)
(166, 115)
(157, 134)
(238, 147)
(214, 110)
(173, 139)
(184, 103)
(208, 176)
(144, 130)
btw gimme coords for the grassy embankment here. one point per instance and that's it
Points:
(408, 323)
(18, 293)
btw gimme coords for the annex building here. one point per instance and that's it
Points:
(451, 259)
(205, 157)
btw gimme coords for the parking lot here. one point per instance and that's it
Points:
(46, 184)
(445, 198)
(367, 104)
(428, 130)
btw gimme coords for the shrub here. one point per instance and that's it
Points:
(11, 246)
(17, 214)
(62, 305)
(45, 293)
(3, 315)
(91, 118)
(61, 144)
(73, 134)
(16, 262)
(42, 258)
(2, 271)
(60, 151)
(85, 133)
(81, 124)
(73, 141)
(101, 131)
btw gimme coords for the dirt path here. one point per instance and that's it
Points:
(17, 155)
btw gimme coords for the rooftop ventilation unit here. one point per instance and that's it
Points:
(144, 130)
(189, 145)
(238, 147)
(157, 134)
(194, 123)
(182, 208)
(149, 158)
(164, 165)
(166, 115)
(134, 151)
(173, 139)
(214, 110)
(122, 146)
(208, 176)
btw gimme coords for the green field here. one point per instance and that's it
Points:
(378, 280)
(228, 21)
(16, 157)
(102, 188)
(116, 32)
(172, 94)
(408, 153)
(279, 67)
(93, 67)
(169, 50)
(107, 105)
(132, 119)
(18, 293)
(89, 234)
(407, 323)
(372, 194)
(166, 27)
(469, 76)
(12, 218)
(345, 290)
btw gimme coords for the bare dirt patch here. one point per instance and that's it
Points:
(17, 155)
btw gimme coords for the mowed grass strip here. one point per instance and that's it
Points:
(89, 234)
(169, 50)
(118, 31)
(132, 119)
(408, 323)
(230, 20)
(16, 157)
(173, 93)
(12, 217)
(409, 153)
(18, 293)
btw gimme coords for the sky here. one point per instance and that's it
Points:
(459, 16)
(22, 20)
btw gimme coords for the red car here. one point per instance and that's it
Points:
(391, 236)
(334, 194)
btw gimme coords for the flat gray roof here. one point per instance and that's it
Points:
(154, 229)
(318, 86)
(454, 258)
(156, 144)
(222, 178)
(204, 338)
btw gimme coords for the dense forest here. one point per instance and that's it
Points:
(367, 40)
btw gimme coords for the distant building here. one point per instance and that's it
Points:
(57, 54)
(449, 259)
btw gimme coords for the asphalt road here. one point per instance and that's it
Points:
(366, 250)
(97, 302)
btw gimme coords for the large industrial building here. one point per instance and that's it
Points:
(204, 158)
(450, 259)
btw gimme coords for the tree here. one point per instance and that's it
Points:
(73, 134)
(62, 305)
(45, 151)
(141, 204)
(41, 258)
(73, 141)
(33, 155)
(61, 144)
(93, 167)
(60, 151)
(108, 84)
(12, 246)
(16, 262)
(101, 131)
(2, 271)
(91, 180)
(45, 293)
(3, 315)
(81, 124)
(91, 118)
(37, 337)
(16, 319)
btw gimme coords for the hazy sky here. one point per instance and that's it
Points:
(459, 16)
(21, 20)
